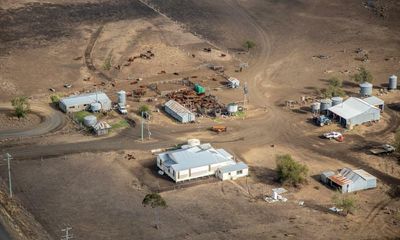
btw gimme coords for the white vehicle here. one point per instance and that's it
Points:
(122, 109)
(332, 135)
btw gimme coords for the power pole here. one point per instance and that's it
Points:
(67, 235)
(245, 93)
(9, 158)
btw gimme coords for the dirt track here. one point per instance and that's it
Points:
(52, 120)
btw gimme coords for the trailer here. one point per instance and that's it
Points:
(219, 128)
(385, 148)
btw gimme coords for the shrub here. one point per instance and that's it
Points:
(345, 201)
(335, 88)
(289, 171)
(55, 99)
(363, 75)
(21, 106)
(249, 45)
(144, 108)
(107, 62)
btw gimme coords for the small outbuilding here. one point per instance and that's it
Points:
(179, 112)
(354, 111)
(348, 180)
(83, 102)
(101, 128)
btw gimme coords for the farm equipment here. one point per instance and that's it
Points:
(219, 128)
(385, 148)
(322, 120)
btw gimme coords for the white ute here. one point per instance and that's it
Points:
(332, 135)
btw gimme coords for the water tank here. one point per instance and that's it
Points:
(392, 82)
(336, 101)
(122, 97)
(366, 89)
(232, 108)
(95, 107)
(315, 107)
(325, 104)
(193, 142)
(90, 120)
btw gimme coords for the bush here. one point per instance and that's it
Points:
(249, 45)
(79, 116)
(345, 201)
(335, 88)
(21, 106)
(55, 99)
(363, 75)
(289, 171)
(107, 62)
(144, 108)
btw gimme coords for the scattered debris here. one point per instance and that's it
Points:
(52, 90)
(207, 49)
(67, 85)
(320, 56)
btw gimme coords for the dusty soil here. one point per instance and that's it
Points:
(64, 179)
(9, 121)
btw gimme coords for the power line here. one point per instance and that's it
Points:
(67, 235)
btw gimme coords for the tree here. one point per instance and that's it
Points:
(363, 75)
(249, 45)
(335, 88)
(289, 171)
(21, 106)
(346, 202)
(144, 108)
(55, 99)
(155, 201)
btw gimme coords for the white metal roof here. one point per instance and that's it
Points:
(101, 125)
(351, 108)
(87, 98)
(196, 156)
(177, 108)
(364, 174)
(374, 101)
(233, 167)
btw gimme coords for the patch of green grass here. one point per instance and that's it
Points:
(79, 116)
(218, 120)
(241, 114)
(120, 124)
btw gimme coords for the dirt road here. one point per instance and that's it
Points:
(52, 120)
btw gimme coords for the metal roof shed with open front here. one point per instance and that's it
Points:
(179, 112)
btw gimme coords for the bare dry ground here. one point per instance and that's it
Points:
(89, 184)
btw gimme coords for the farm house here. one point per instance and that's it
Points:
(354, 111)
(179, 112)
(190, 162)
(85, 102)
(348, 180)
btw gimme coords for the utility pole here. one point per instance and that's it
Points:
(9, 158)
(144, 114)
(245, 93)
(142, 123)
(67, 235)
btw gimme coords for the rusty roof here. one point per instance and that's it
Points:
(340, 180)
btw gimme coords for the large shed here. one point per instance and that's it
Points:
(179, 112)
(232, 172)
(83, 102)
(375, 101)
(354, 111)
(202, 160)
(348, 180)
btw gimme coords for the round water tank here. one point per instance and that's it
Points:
(392, 82)
(315, 107)
(366, 89)
(193, 142)
(95, 107)
(122, 97)
(90, 120)
(336, 101)
(325, 104)
(232, 108)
